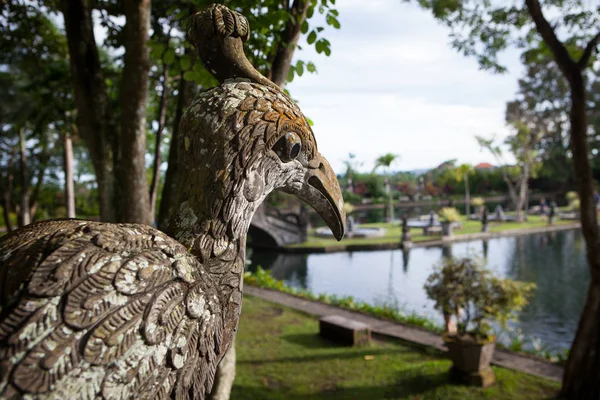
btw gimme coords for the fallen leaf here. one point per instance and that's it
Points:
(368, 358)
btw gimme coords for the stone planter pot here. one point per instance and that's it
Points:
(471, 360)
(447, 228)
(479, 211)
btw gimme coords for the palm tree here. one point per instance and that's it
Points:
(462, 174)
(386, 161)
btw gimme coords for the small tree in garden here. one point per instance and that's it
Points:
(573, 199)
(386, 162)
(464, 284)
(448, 215)
(462, 287)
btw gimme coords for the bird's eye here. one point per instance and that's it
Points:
(288, 147)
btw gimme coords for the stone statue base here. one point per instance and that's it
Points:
(484, 378)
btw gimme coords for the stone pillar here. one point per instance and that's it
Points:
(552, 213)
(405, 239)
(350, 225)
(484, 220)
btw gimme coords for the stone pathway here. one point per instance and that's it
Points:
(420, 337)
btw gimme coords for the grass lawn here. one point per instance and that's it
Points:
(394, 231)
(281, 356)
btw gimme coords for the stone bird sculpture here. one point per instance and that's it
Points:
(116, 311)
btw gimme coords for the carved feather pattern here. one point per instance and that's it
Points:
(48, 362)
(113, 321)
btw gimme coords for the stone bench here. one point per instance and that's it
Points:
(344, 331)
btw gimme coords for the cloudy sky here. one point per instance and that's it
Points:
(393, 84)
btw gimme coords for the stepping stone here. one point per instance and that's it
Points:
(344, 331)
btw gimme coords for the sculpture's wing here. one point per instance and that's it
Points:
(105, 310)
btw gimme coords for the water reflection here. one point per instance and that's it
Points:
(554, 261)
(405, 259)
(485, 248)
(289, 267)
(447, 251)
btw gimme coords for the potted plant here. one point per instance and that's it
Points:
(574, 203)
(448, 217)
(463, 288)
(478, 203)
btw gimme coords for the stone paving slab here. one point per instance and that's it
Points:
(423, 338)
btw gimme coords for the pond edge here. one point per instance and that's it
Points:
(424, 243)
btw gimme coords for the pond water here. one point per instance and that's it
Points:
(554, 261)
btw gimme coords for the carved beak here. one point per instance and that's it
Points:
(322, 192)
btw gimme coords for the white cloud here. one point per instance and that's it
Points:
(393, 84)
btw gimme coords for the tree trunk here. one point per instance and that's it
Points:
(162, 117)
(169, 192)
(7, 197)
(133, 182)
(225, 376)
(33, 195)
(523, 189)
(467, 197)
(69, 188)
(511, 189)
(24, 216)
(91, 100)
(580, 380)
(6, 212)
(285, 49)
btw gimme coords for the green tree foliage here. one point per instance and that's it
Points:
(544, 93)
(483, 182)
(37, 106)
(523, 146)
(271, 24)
(484, 29)
(467, 290)
(385, 161)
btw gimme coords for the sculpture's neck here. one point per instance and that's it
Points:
(219, 243)
(210, 238)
